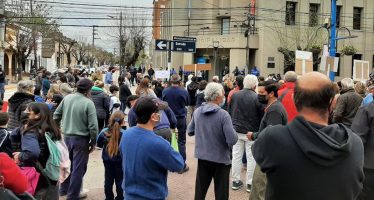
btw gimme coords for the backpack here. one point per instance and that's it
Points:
(58, 163)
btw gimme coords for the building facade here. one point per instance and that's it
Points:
(280, 27)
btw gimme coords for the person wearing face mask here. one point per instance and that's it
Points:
(275, 114)
(146, 157)
(308, 158)
(246, 113)
(214, 138)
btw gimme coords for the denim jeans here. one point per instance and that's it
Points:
(78, 153)
(113, 174)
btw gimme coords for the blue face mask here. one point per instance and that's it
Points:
(223, 102)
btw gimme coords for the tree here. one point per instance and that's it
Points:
(67, 46)
(299, 38)
(133, 39)
(26, 27)
(80, 53)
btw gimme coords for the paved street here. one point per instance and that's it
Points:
(181, 187)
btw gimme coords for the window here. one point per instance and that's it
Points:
(225, 26)
(313, 14)
(357, 12)
(271, 62)
(290, 13)
(338, 16)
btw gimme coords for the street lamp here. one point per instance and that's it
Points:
(215, 50)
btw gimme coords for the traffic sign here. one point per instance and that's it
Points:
(186, 39)
(162, 45)
(182, 46)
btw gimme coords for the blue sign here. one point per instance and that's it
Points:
(201, 60)
(183, 46)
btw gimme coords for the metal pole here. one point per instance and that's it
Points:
(120, 41)
(169, 55)
(189, 17)
(333, 35)
(59, 50)
(215, 61)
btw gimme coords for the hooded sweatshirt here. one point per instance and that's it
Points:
(309, 161)
(17, 104)
(214, 133)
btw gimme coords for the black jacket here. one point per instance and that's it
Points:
(363, 125)
(124, 92)
(246, 111)
(200, 98)
(191, 89)
(17, 104)
(309, 161)
(102, 104)
(346, 107)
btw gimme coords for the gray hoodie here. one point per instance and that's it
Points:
(214, 133)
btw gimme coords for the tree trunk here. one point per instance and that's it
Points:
(68, 57)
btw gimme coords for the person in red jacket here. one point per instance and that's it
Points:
(13, 178)
(286, 95)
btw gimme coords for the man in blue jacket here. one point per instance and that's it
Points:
(178, 98)
(146, 157)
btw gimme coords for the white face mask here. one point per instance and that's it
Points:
(223, 102)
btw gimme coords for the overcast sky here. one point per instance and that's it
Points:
(85, 34)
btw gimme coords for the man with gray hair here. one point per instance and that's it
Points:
(215, 79)
(347, 104)
(214, 138)
(286, 95)
(246, 113)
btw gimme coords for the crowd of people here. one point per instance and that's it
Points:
(297, 137)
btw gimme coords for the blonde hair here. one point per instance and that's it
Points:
(99, 84)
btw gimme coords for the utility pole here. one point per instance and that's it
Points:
(332, 50)
(250, 30)
(93, 35)
(34, 39)
(120, 42)
(189, 16)
(59, 50)
(2, 33)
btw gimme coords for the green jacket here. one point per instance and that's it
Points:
(77, 116)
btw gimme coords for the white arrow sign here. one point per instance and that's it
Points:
(161, 45)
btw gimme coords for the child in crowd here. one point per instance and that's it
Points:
(115, 104)
(131, 100)
(5, 142)
(109, 139)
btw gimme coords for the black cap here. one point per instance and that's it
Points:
(84, 84)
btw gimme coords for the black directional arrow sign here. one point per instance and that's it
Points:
(161, 45)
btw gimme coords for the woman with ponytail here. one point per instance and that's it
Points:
(109, 139)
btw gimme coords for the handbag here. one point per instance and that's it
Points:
(9, 195)
(174, 141)
(32, 178)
